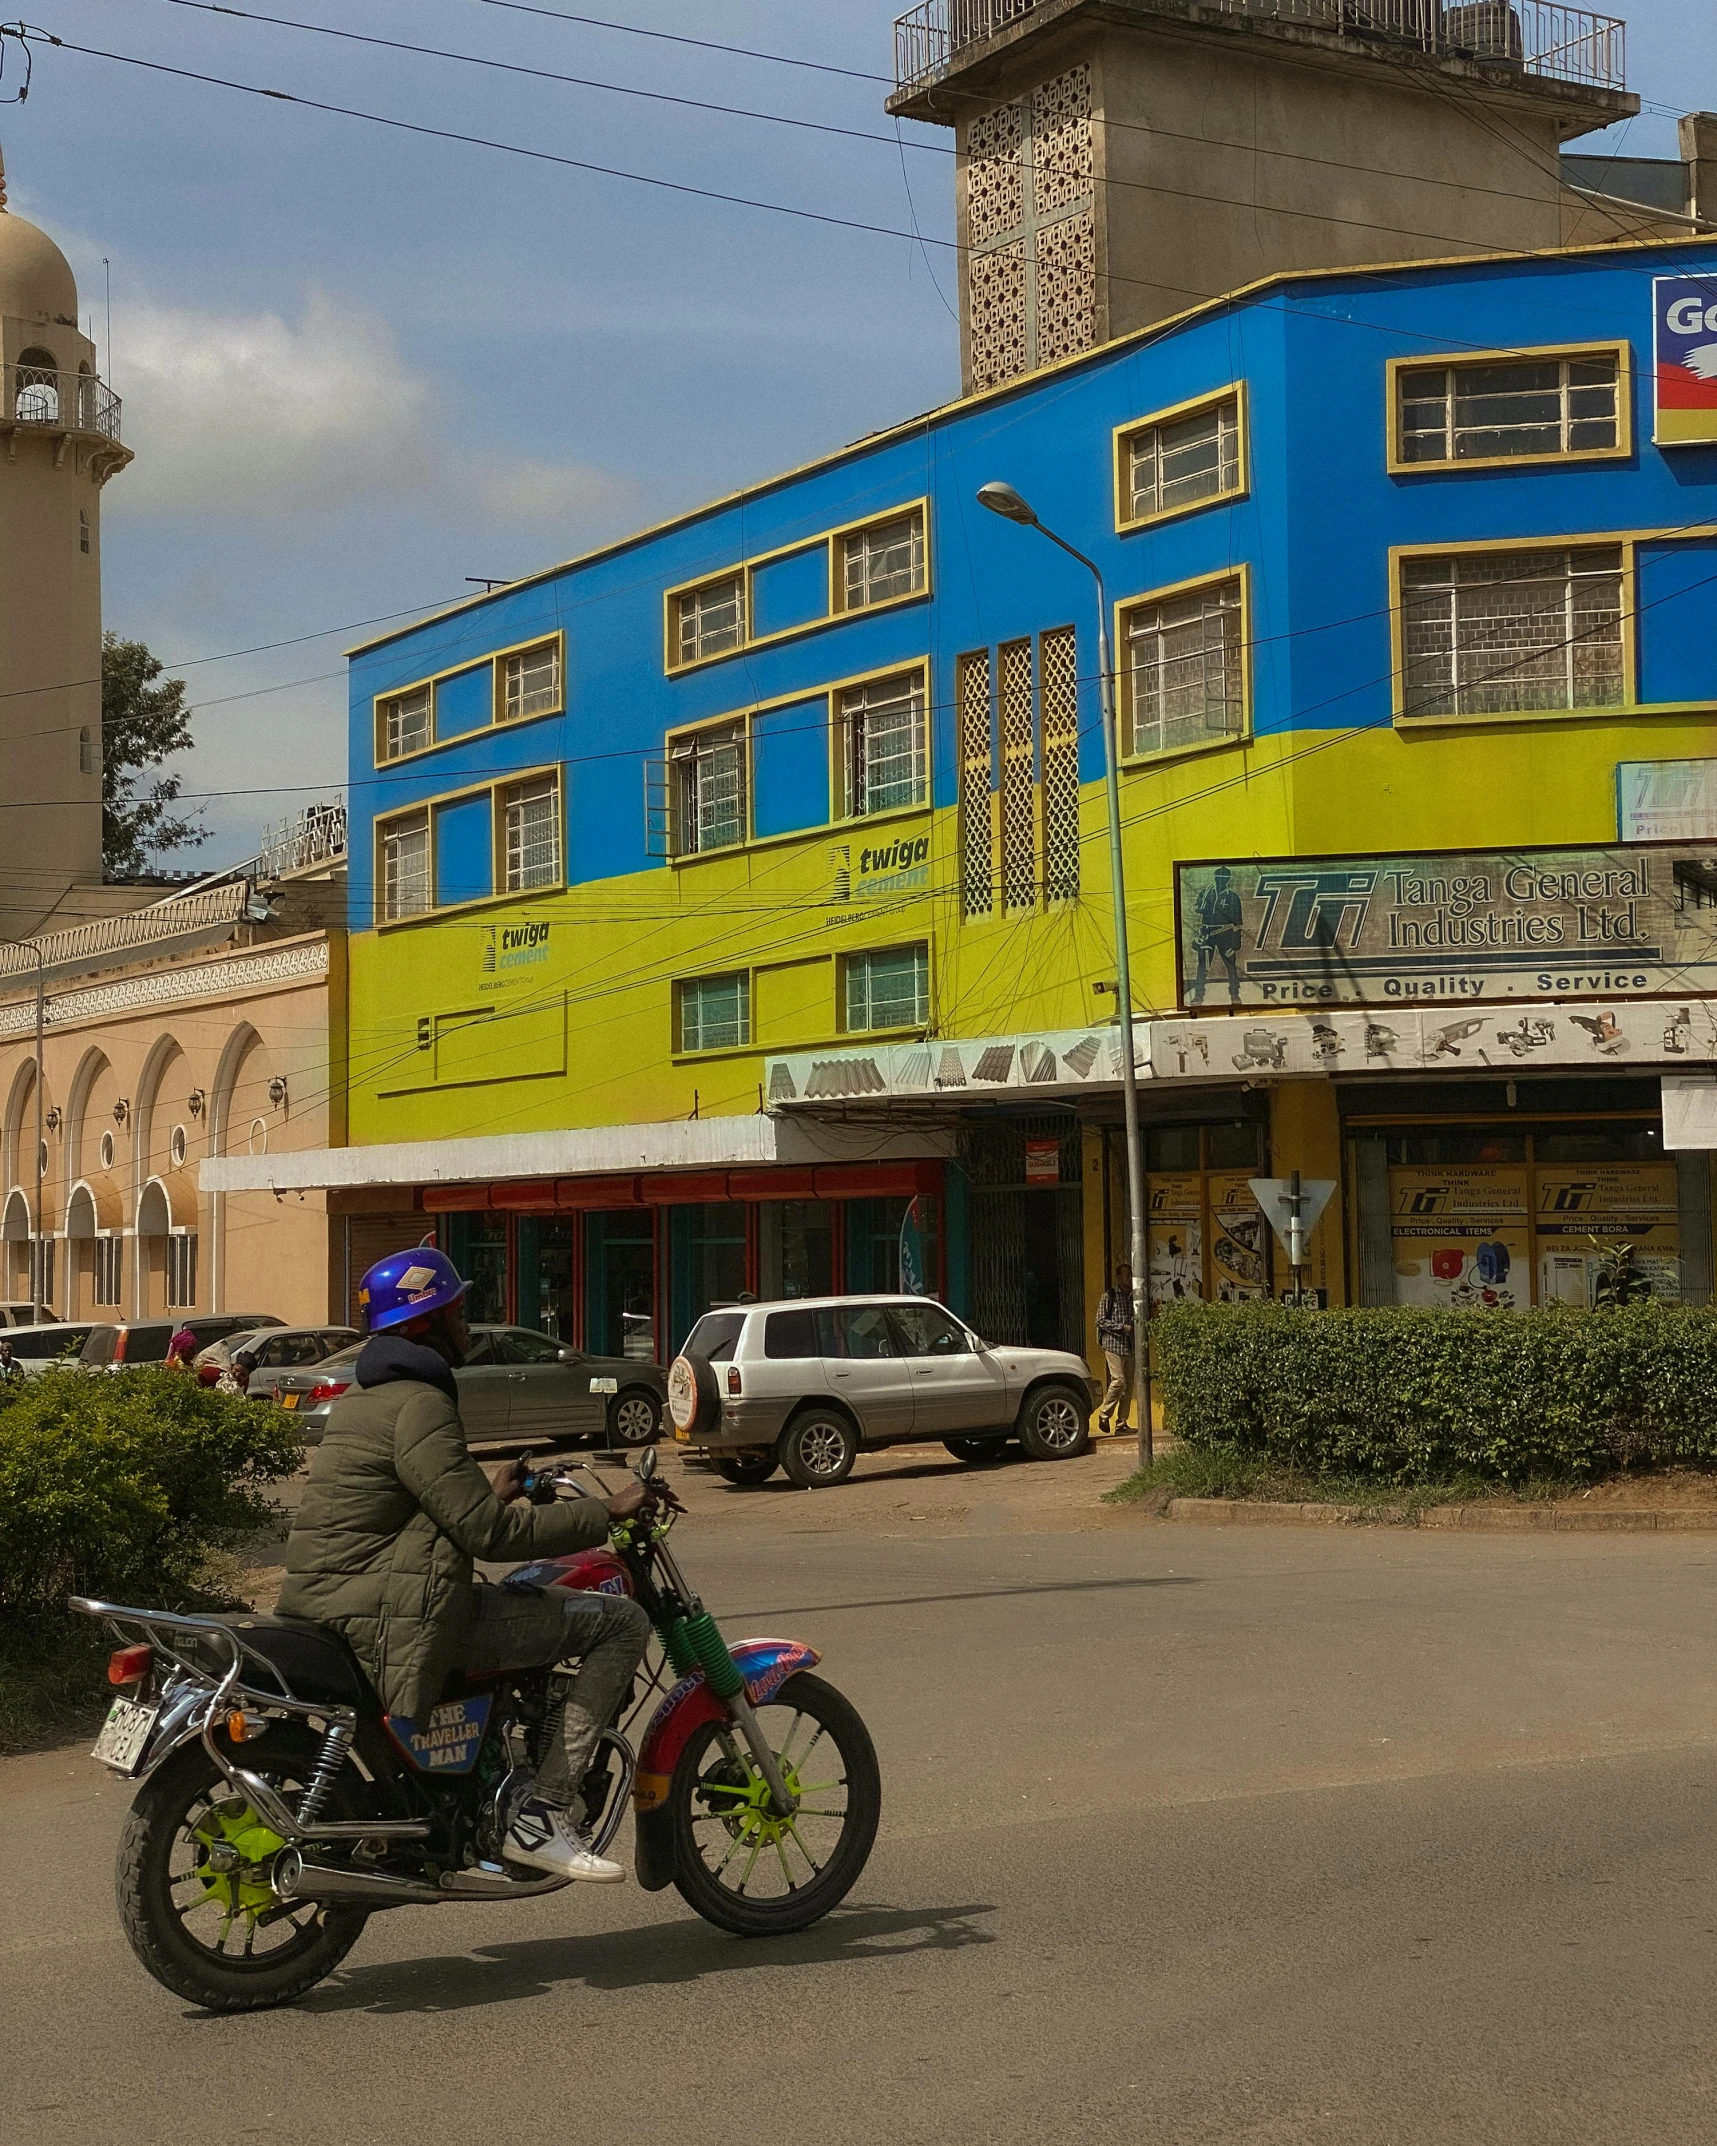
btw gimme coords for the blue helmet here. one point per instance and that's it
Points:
(406, 1285)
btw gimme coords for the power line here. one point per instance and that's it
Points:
(651, 179)
(896, 140)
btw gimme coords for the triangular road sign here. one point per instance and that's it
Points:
(1275, 1196)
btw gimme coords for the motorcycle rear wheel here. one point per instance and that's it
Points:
(213, 1937)
(739, 1867)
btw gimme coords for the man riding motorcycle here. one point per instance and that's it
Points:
(394, 1516)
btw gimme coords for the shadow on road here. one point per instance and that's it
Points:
(661, 1956)
(978, 1594)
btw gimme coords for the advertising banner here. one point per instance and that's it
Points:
(1175, 1238)
(1666, 800)
(1462, 1236)
(1586, 1213)
(1684, 310)
(1239, 1241)
(1448, 930)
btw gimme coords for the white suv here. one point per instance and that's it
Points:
(803, 1385)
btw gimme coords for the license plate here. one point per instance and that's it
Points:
(124, 1734)
(289, 1400)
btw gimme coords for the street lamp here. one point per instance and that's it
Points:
(1002, 499)
(29, 946)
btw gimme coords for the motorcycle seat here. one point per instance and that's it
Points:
(310, 1661)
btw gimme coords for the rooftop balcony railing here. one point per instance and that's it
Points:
(58, 401)
(1540, 37)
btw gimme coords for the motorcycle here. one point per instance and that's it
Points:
(280, 1806)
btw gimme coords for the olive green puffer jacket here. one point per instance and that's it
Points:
(394, 1515)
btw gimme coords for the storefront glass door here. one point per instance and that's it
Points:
(620, 1285)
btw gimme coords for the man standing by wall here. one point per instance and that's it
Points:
(1115, 1339)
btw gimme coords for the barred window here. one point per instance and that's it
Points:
(1520, 407)
(405, 724)
(889, 989)
(531, 681)
(708, 790)
(884, 561)
(531, 811)
(405, 867)
(1185, 678)
(710, 621)
(1502, 632)
(1184, 460)
(715, 1012)
(109, 1268)
(884, 751)
(182, 1271)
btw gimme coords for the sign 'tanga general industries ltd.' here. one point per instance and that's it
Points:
(1473, 925)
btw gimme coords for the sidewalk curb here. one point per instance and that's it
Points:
(1493, 1519)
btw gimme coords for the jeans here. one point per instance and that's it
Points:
(1112, 1415)
(528, 1627)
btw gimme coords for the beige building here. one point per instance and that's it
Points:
(201, 1025)
(1122, 160)
(141, 1032)
(59, 444)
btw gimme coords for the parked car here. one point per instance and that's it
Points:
(21, 1315)
(804, 1385)
(35, 1348)
(515, 1385)
(276, 1349)
(144, 1341)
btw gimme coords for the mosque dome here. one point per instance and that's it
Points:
(36, 281)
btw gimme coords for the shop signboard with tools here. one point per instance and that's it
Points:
(1448, 930)
(1582, 1216)
(1462, 1236)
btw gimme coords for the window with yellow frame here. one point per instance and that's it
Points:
(524, 682)
(1185, 667)
(1177, 460)
(868, 565)
(1505, 629)
(1499, 408)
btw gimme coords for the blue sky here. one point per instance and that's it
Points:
(362, 365)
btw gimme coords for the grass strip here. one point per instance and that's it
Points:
(1215, 1472)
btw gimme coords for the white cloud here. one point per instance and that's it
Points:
(268, 419)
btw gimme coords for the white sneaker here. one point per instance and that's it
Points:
(546, 1839)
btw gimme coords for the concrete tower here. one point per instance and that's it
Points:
(1121, 159)
(59, 444)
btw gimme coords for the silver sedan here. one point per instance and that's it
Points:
(515, 1387)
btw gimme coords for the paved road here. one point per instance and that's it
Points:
(1268, 1837)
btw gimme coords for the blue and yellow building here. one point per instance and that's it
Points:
(721, 895)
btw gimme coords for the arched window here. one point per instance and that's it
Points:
(37, 389)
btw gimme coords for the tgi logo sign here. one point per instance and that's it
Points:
(1684, 310)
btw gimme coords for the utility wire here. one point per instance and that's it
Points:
(651, 179)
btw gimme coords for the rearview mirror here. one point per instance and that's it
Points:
(569, 1356)
(644, 1468)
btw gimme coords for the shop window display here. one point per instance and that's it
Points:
(1500, 1219)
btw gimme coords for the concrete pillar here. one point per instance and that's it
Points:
(1698, 140)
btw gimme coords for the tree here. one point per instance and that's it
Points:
(142, 724)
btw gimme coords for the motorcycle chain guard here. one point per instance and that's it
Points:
(766, 1664)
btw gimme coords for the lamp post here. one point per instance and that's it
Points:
(1002, 499)
(29, 946)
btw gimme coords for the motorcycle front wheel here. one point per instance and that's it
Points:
(194, 1882)
(735, 1861)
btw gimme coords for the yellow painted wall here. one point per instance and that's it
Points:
(607, 966)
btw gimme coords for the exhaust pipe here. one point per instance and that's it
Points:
(301, 1877)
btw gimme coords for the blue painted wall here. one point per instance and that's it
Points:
(1315, 529)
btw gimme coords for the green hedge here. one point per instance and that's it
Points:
(1419, 1396)
(120, 1484)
